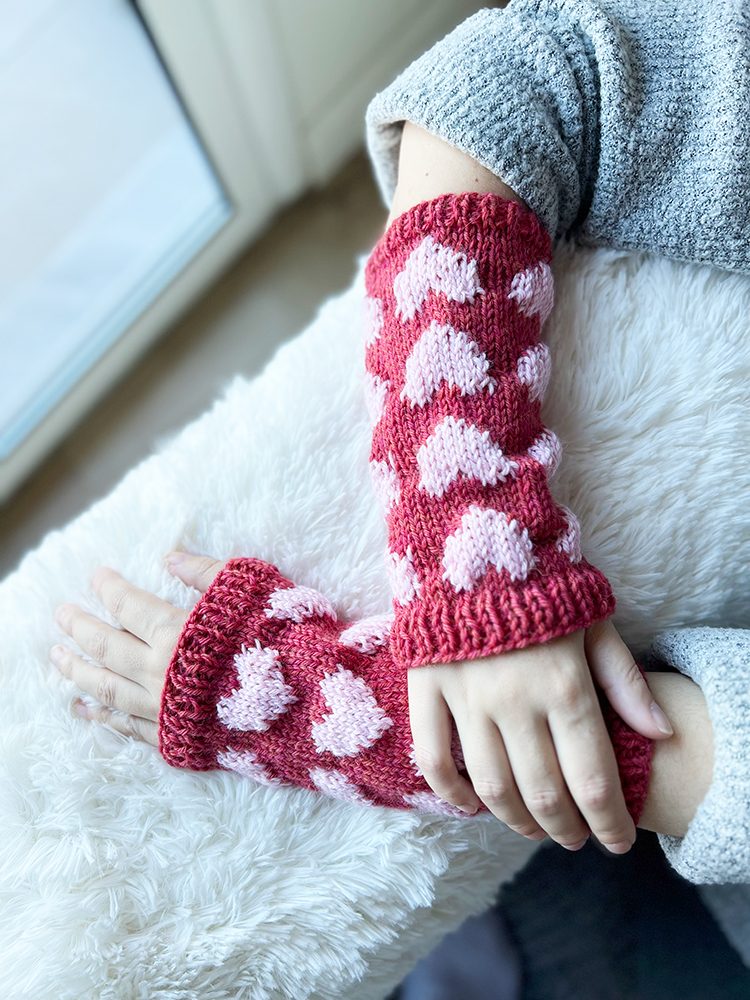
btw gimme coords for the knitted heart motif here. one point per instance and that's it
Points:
(443, 354)
(534, 369)
(455, 449)
(372, 320)
(431, 267)
(246, 763)
(356, 720)
(369, 634)
(486, 538)
(337, 786)
(262, 695)
(533, 290)
(296, 603)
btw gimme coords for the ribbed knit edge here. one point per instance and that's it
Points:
(204, 655)
(443, 627)
(509, 222)
(633, 753)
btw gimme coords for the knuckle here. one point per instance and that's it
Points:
(568, 696)
(206, 565)
(631, 675)
(132, 727)
(545, 801)
(99, 645)
(596, 794)
(437, 764)
(106, 691)
(494, 793)
(117, 596)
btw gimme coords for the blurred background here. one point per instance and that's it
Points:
(182, 183)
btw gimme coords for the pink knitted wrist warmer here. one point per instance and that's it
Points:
(481, 558)
(265, 681)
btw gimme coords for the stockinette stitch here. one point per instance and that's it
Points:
(265, 681)
(481, 559)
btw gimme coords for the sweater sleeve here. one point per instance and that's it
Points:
(481, 558)
(619, 123)
(716, 847)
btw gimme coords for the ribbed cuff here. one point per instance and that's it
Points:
(202, 665)
(633, 753)
(498, 615)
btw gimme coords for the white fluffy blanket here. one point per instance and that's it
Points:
(121, 878)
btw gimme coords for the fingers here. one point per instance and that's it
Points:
(145, 615)
(432, 728)
(541, 784)
(129, 725)
(491, 775)
(589, 769)
(617, 674)
(111, 689)
(110, 647)
(196, 571)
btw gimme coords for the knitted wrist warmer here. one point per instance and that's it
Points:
(481, 558)
(265, 681)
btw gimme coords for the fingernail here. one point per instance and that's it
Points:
(175, 559)
(61, 614)
(662, 722)
(539, 835)
(575, 847)
(469, 810)
(622, 848)
(56, 654)
(80, 709)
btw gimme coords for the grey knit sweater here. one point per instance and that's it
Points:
(622, 124)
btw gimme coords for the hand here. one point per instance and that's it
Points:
(131, 662)
(533, 738)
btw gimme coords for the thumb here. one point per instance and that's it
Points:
(196, 571)
(617, 674)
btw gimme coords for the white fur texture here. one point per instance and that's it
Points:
(121, 878)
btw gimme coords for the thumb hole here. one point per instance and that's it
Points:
(617, 674)
(196, 571)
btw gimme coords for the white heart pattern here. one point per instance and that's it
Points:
(297, 603)
(262, 695)
(337, 786)
(486, 538)
(356, 720)
(432, 267)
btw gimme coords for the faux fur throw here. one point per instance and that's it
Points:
(121, 878)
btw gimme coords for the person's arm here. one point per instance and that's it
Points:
(133, 661)
(534, 741)
(429, 167)
(682, 766)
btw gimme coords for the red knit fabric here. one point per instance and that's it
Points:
(265, 681)
(481, 558)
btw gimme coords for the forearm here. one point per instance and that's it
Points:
(681, 766)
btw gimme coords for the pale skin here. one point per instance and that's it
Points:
(131, 665)
(534, 741)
